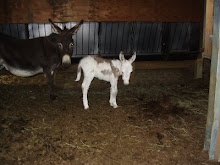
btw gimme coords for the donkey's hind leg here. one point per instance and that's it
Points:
(85, 87)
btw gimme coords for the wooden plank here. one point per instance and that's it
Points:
(214, 149)
(148, 65)
(61, 79)
(163, 64)
(215, 133)
(208, 29)
(212, 140)
(198, 69)
(28, 11)
(217, 150)
(212, 81)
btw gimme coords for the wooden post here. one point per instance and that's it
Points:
(208, 29)
(198, 68)
(212, 138)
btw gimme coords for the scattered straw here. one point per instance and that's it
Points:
(73, 146)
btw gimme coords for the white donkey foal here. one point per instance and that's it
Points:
(107, 70)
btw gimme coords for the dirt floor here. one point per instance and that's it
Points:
(161, 120)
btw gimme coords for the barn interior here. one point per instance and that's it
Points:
(164, 114)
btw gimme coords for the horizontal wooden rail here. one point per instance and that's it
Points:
(164, 64)
(28, 11)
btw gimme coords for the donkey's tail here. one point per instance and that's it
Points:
(78, 72)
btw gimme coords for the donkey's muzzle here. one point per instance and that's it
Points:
(66, 60)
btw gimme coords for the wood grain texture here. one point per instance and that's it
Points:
(25, 11)
(208, 29)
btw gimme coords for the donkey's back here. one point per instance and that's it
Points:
(95, 66)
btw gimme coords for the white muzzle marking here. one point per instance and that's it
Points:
(126, 79)
(126, 82)
(66, 60)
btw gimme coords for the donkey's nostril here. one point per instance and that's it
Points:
(66, 60)
(66, 64)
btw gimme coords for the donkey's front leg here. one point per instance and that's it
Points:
(113, 93)
(49, 77)
(85, 87)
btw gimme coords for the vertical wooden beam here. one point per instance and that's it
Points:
(212, 138)
(212, 86)
(214, 149)
(208, 29)
(217, 147)
(198, 68)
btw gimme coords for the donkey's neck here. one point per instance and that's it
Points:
(116, 67)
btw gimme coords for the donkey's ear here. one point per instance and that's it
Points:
(133, 57)
(55, 27)
(74, 29)
(121, 56)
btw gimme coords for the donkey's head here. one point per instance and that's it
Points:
(126, 67)
(64, 41)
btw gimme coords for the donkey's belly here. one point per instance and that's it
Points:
(101, 76)
(23, 72)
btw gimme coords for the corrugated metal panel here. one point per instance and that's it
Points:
(180, 35)
(146, 37)
(14, 30)
(109, 38)
(86, 39)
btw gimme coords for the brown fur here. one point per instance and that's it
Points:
(115, 70)
(99, 59)
(106, 72)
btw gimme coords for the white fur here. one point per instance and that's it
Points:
(21, 72)
(91, 68)
(66, 59)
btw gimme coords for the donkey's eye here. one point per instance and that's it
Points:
(71, 45)
(60, 45)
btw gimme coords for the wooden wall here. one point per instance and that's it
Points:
(26, 11)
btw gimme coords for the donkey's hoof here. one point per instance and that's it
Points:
(86, 107)
(114, 106)
(53, 97)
